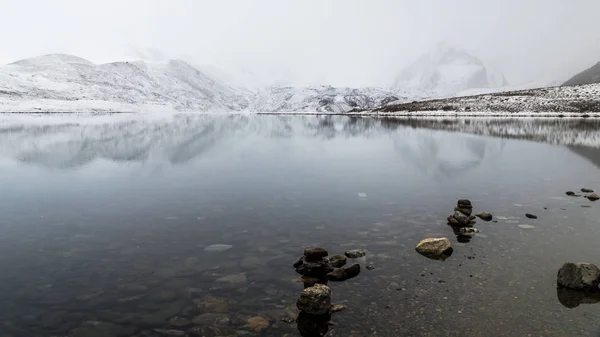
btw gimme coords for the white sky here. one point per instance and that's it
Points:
(339, 42)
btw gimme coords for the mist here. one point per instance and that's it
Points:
(337, 42)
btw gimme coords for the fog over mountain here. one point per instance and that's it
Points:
(343, 43)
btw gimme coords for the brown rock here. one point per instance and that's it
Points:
(593, 197)
(257, 323)
(213, 305)
(435, 248)
(337, 308)
(452, 221)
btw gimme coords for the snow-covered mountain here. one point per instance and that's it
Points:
(321, 99)
(69, 83)
(65, 83)
(448, 70)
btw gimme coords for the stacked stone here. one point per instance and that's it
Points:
(462, 214)
(314, 302)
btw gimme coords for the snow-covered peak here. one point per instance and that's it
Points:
(65, 83)
(447, 70)
(52, 60)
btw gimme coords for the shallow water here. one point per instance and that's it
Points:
(115, 220)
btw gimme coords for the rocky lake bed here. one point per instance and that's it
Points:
(298, 226)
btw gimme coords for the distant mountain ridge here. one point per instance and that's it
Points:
(173, 84)
(448, 70)
(66, 83)
(588, 76)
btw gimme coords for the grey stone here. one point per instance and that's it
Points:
(531, 216)
(355, 253)
(587, 190)
(314, 254)
(343, 274)
(315, 300)
(485, 216)
(338, 261)
(579, 276)
(464, 210)
(317, 269)
(464, 202)
(462, 219)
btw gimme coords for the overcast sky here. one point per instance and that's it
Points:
(339, 42)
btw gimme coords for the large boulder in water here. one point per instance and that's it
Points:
(315, 300)
(579, 276)
(435, 248)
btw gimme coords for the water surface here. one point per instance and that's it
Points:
(108, 219)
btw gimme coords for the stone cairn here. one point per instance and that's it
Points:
(314, 303)
(462, 222)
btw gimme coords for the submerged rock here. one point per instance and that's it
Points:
(579, 276)
(343, 274)
(101, 329)
(170, 332)
(313, 325)
(337, 308)
(315, 300)
(587, 190)
(338, 260)
(217, 248)
(485, 216)
(257, 323)
(213, 305)
(355, 253)
(435, 248)
(531, 216)
(593, 197)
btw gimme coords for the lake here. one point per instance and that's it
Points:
(188, 225)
